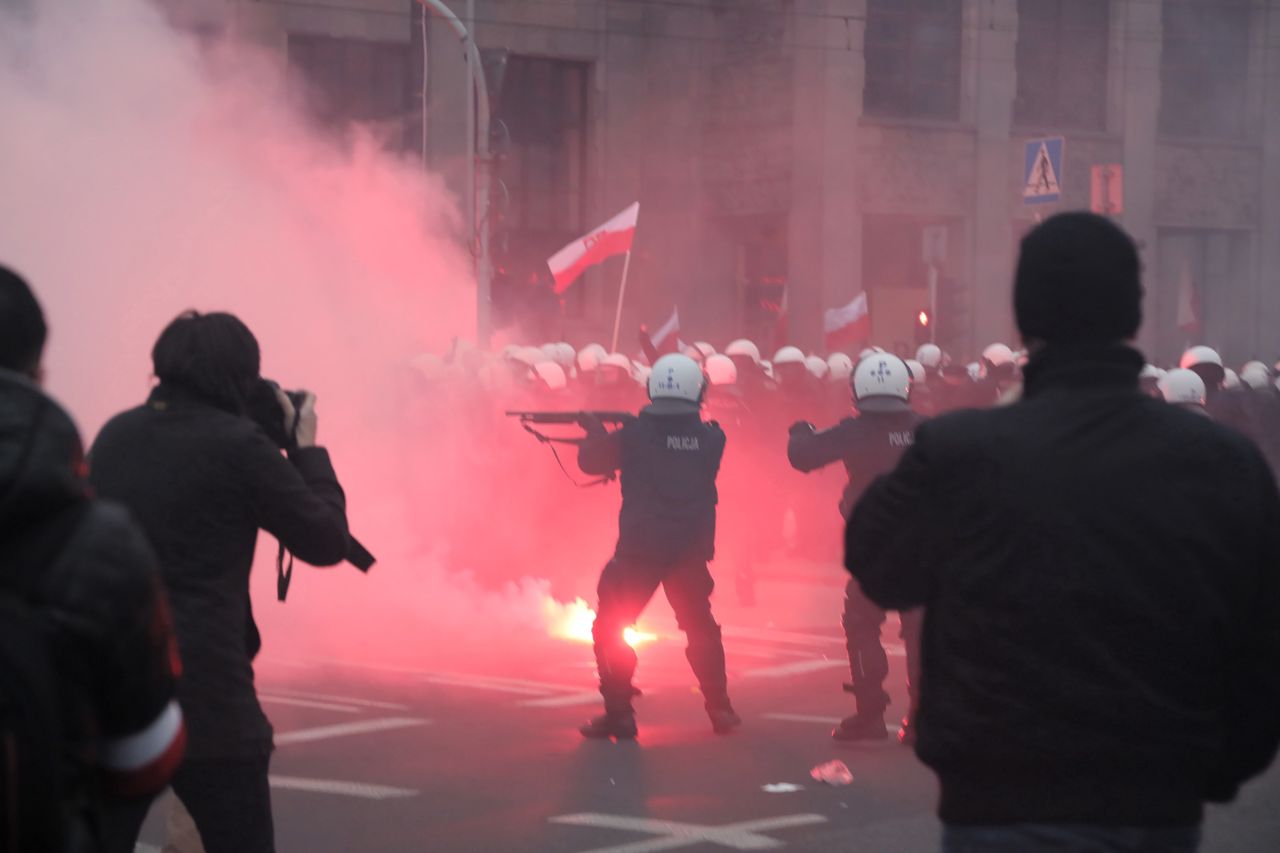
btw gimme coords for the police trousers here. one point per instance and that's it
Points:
(868, 662)
(625, 588)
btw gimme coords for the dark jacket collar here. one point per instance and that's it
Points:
(1083, 367)
(169, 394)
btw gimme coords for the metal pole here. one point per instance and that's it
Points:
(622, 292)
(933, 303)
(478, 167)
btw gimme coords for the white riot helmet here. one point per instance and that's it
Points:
(841, 367)
(1256, 375)
(620, 361)
(1182, 386)
(721, 370)
(881, 382)
(1206, 362)
(587, 360)
(817, 366)
(743, 348)
(930, 355)
(1151, 373)
(917, 370)
(998, 355)
(705, 348)
(676, 385)
(1230, 379)
(551, 375)
(788, 355)
(529, 356)
(564, 355)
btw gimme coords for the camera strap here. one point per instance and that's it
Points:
(551, 442)
(283, 575)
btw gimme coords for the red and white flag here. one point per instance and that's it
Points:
(667, 338)
(847, 325)
(612, 238)
(1188, 302)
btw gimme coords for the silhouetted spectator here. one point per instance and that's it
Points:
(87, 657)
(1099, 571)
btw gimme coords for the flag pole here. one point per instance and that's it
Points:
(622, 292)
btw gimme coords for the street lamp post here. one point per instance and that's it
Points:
(478, 172)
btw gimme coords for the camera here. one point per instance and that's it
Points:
(264, 408)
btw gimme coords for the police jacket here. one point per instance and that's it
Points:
(202, 482)
(668, 462)
(869, 445)
(87, 571)
(1099, 570)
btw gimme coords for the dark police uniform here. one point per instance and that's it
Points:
(869, 445)
(668, 458)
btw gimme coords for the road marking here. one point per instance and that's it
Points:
(736, 836)
(783, 636)
(485, 684)
(589, 697)
(826, 721)
(345, 700)
(796, 668)
(345, 729)
(307, 703)
(803, 718)
(501, 685)
(769, 653)
(343, 789)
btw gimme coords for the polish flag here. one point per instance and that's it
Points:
(667, 338)
(847, 325)
(1188, 302)
(612, 238)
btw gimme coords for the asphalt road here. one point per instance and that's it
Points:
(374, 758)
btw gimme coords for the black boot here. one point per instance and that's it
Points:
(861, 726)
(618, 725)
(723, 718)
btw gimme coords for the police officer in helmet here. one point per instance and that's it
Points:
(868, 445)
(668, 459)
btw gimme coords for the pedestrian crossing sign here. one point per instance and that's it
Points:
(1042, 181)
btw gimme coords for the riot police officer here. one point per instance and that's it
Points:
(869, 445)
(668, 459)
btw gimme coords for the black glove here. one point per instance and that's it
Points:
(801, 428)
(592, 425)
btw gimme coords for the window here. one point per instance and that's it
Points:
(1204, 68)
(896, 278)
(762, 259)
(356, 81)
(913, 59)
(540, 131)
(1215, 265)
(1063, 46)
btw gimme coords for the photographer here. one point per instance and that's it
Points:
(202, 478)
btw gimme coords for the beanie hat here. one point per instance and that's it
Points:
(1078, 281)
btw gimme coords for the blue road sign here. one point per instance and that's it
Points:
(1042, 179)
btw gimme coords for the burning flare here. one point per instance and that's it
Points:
(573, 622)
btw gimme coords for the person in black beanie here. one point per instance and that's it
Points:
(1101, 651)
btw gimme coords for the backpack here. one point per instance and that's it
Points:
(33, 791)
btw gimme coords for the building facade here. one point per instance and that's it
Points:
(790, 154)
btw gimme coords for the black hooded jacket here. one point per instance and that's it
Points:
(87, 569)
(202, 482)
(1099, 572)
